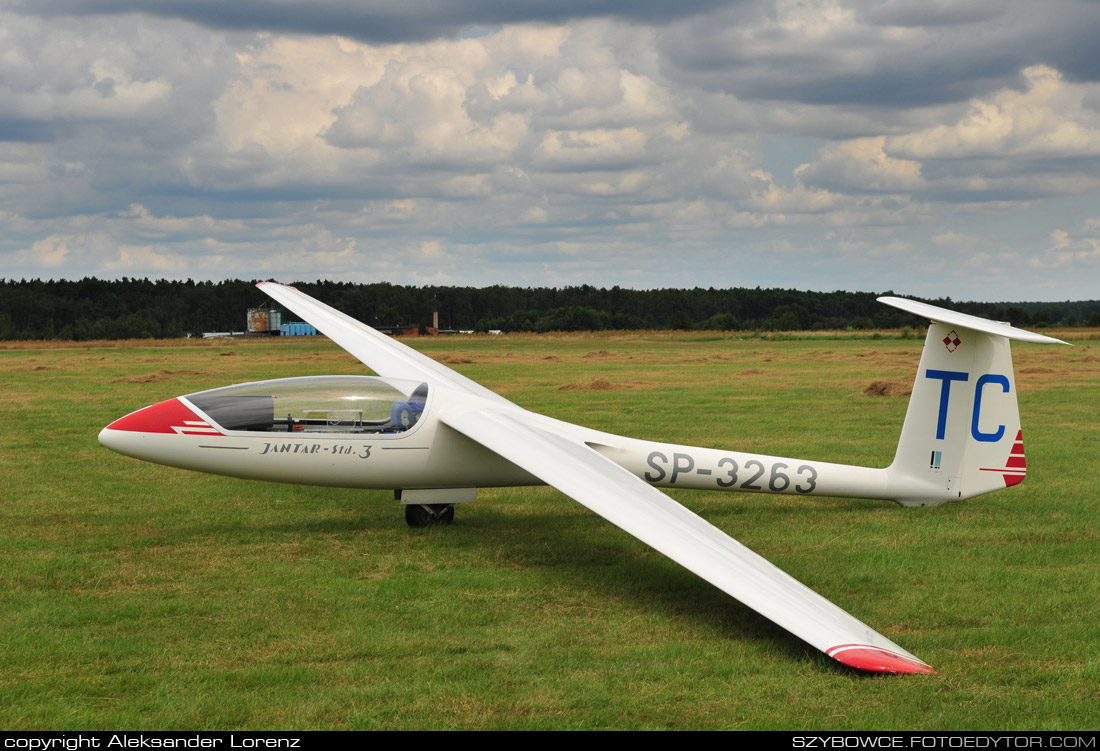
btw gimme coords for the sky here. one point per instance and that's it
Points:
(933, 148)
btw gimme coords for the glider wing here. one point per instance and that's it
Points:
(569, 465)
(648, 514)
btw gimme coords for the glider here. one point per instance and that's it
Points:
(435, 436)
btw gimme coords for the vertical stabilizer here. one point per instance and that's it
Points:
(962, 434)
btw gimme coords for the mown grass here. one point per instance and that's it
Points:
(139, 596)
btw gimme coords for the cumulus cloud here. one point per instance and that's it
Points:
(1047, 119)
(862, 165)
(1013, 145)
(645, 143)
(1066, 250)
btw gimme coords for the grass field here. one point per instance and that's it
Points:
(138, 596)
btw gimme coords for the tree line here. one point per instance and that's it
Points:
(127, 308)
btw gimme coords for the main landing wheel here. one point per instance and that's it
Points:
(426, 515)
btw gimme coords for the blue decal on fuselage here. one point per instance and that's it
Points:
(974, 431)
(947, 376)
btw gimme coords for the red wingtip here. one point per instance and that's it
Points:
(876, 659)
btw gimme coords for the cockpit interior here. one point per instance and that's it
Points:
(316, 404)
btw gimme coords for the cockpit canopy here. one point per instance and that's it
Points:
(316, 404)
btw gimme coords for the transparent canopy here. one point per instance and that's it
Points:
(316, 404)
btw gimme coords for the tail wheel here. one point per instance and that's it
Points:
(426, 515)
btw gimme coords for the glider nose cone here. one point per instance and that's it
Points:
(108, 438)
(169, 416)
(129, 434)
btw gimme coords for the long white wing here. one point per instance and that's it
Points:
(648, 514)
(382, 354)
(580, 472)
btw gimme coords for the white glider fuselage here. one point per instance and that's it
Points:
(431, 455)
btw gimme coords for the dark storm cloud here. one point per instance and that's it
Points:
(954, 51)
(881, 53)
(1030, 170)
(930, 12)
(30, 131)
(1061, 34)
(376, 21)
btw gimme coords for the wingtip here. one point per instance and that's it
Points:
(877, 660)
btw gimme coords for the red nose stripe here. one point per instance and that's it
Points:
(171, 416)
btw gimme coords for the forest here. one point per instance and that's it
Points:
(91, 308)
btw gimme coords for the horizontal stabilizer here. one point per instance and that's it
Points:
(954, 318)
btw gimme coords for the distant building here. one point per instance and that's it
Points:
(264, 321)
(297, 329)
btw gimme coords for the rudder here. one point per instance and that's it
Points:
(962, 434)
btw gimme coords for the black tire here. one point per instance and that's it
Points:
(426, 515)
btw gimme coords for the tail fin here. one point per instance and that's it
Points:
(962, 435)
